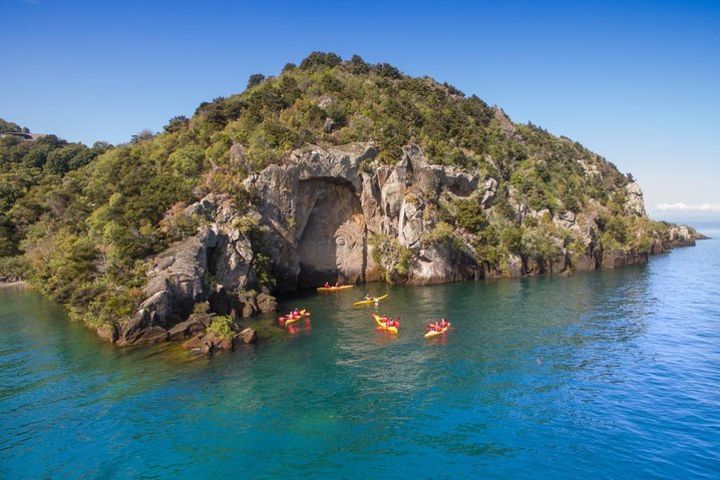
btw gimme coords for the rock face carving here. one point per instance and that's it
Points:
(331, 245)
(336, 208)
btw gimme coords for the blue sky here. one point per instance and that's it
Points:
(638, 82)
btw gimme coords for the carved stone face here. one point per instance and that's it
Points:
(349, 251)
(411, 225)
(331, 246)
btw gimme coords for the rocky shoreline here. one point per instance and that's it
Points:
(318, 217)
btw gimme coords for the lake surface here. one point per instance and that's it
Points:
(612, 374)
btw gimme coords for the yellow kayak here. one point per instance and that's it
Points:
(333, 289)
(291, 320)
(435, 333)
(369, 302)
(382, 325)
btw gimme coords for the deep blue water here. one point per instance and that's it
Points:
(612, 374)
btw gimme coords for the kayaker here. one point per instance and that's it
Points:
(337, 284)
(367, 297)
(327, 284)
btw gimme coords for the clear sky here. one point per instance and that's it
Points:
(636, 81)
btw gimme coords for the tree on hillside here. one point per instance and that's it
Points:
(142, 135)
(176, 124)
(255, 79)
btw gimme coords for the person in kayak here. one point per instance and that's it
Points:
(367, 297)
(390, 322)
(337, 284)
(327, 285)
(437, 326)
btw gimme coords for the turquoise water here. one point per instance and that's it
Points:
(613, 374)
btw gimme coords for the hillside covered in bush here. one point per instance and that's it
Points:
(417, 182)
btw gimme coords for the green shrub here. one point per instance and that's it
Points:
(255, 79)
(221, 326)
(262, 268)
(537, 244)
(511, 239)
(201, 308)
(12, 268)
(443, 233)
(392, 258)
(470, 215)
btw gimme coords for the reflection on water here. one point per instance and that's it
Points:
(611, 374)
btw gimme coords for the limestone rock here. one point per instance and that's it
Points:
(506, 124)
(683, 236)
(558, 264)
(329, 125)
(108, 332)
(176, 281)
(195, 324)
(634, 203)
(266, 303)
(173, 287)
(238, 154)
(617, 258)
(489, 191)
(231, 258)
(514, 266)
(247, 335)
(442, 263)
(325, 101)
(583, 262)
(458, 181)
(411, 225)
(208, 343)
(565, 219)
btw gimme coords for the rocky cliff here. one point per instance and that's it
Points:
(337, 215)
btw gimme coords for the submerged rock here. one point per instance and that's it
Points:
(247, 335)
(195, 324)
(207, 343)
(108, 332)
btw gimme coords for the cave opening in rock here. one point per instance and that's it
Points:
(332, 243)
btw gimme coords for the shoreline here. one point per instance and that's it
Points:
(645, 258)
(18, 283)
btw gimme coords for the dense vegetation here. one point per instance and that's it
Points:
(29, 171)
(86, 219)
